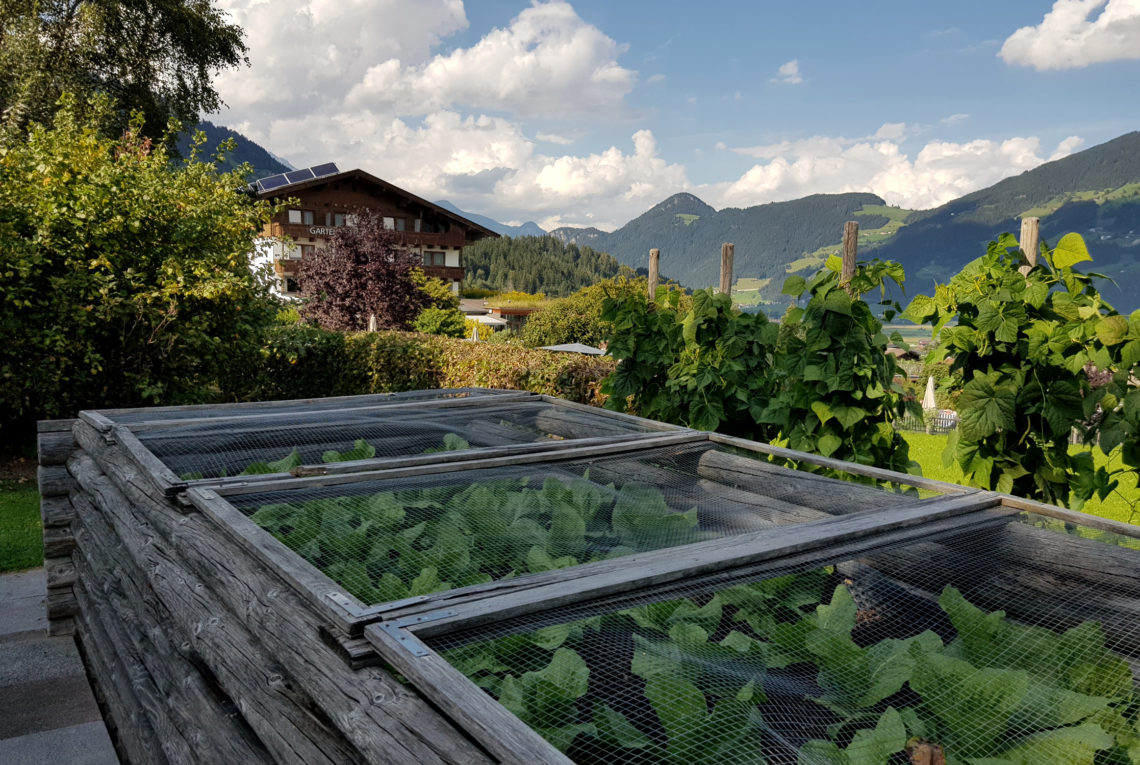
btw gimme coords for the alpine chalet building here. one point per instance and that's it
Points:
(327, 199)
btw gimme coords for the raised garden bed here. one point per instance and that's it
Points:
(490, 576)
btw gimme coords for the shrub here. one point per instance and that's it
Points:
(448, 322)
(305, 362)
(124, 278)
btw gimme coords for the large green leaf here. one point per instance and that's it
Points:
(986, 405)
(1070, 251)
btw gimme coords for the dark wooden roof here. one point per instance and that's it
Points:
(283, 191)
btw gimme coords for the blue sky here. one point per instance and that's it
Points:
(589, 112)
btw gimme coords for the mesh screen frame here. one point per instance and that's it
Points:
(352, 613)
(134, 435)
(410, 639)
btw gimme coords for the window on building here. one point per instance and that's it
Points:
(303, 217)
(434, 258)
(338, 219)
(350, 219)
(418, 226)
(389, 223)
(401, 224)
(291, 286)
(307, 217)
(307, 250)
(294, 216)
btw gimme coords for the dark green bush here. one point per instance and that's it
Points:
(307, 362)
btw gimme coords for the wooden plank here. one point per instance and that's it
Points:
(380, 717)
(165, 481)
(60, 572)
(508, 598)
(879, 474)
(204, 632)
(559, 452)
(54, 426)
(144, 426)
(508, 739)
(58, 542)
(53, 480)
(151, 707)
(56, 511)
(1071, 516)
(61, 627)
(200, 709)
(53, 447)
(811, 490)
(97, 421)
(597, 411)
(122, 710)
(305, 578)
(60, 603)
(297, 403)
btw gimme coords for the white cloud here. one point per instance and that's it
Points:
(939, 172)
(554, 138)
(1067, 147)
(789, 73)
(1069, 37)
(954, 119)
(548, 62)
(365, 87)
(655, 78)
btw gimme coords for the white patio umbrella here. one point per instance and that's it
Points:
(928, 401)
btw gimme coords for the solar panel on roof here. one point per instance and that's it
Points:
(272, 182)
(329, 168)
(296, 176)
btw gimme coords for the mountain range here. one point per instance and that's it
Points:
(1095, 192)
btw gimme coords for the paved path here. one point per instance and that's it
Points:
(47, 713)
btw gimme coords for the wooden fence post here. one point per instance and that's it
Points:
(850, 250)
(654, 260)
(726, 253)
(1030, 236)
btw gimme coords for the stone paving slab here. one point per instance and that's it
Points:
(85, 744)
(48, 715)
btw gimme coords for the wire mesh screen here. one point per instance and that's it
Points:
(211, 450)
(389, 539)
(1016, 642)
(212, 411)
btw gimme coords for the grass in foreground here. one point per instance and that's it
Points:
(1122, 505)
(21, 533)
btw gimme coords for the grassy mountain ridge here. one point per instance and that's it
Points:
(689, 234)
(1095, 192)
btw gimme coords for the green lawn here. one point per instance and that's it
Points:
(21, 534)
(926, 450)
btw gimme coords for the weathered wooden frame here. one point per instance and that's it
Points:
(396, 630)
(399, 636)
(170, 484)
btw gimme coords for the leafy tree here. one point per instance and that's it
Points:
(124, 278)
(363, 272)
(448, 322)
(154, 56)
(578, 318)
(1021, 349)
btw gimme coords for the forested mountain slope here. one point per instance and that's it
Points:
(536, 264)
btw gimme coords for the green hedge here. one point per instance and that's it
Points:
(306, 362)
